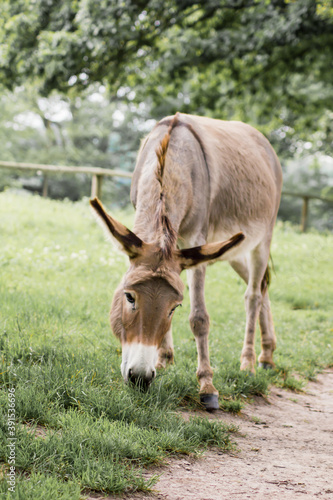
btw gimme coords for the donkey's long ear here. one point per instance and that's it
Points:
(190, 257)
(127, 241)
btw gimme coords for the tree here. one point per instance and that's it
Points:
(267, 62)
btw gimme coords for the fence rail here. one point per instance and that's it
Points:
(97, 175)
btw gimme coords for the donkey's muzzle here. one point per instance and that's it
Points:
(138, 364)
(142, 382)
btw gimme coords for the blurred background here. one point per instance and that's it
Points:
(82, 82)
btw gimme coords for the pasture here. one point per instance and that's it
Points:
(78, 427)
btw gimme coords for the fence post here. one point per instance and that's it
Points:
(45, 186)
(96, 186)
(305, 214)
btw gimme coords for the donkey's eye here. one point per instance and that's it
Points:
(129, 298)
(172, 310)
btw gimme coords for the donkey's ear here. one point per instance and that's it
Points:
(127, 241)
(190, 257)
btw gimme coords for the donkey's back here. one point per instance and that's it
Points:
(221, 177)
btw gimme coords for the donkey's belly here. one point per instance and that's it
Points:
(254, 235)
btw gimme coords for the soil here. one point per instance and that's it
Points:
(284, 451)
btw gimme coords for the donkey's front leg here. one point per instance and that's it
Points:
(165, 351)
(199, 321)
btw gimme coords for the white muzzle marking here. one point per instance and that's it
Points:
(139, 358)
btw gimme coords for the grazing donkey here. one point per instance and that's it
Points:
(204, 190)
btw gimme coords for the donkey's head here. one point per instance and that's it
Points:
(150, 291)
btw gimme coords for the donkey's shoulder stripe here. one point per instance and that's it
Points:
(180, 123)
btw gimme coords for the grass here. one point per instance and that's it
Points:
(57, 276)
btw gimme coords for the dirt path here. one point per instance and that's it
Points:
(285, 452)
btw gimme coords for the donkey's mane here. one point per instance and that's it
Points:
(167, 234)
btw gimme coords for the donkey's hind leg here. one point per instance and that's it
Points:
(268, 338)
(252, 270)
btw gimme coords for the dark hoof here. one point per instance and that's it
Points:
(265, 366)
(210, 401)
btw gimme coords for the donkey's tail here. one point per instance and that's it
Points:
(266, 281)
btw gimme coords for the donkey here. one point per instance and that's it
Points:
(204, 190)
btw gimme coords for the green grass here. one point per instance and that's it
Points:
(57, 277)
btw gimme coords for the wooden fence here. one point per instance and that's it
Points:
(97, 175)
(306, 197)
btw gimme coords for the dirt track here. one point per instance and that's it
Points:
(285, 452)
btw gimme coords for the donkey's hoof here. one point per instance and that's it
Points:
(210, 401)
(265, 366)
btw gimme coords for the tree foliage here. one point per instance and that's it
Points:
(268, 62)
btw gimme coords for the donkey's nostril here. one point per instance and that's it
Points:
(131, 377)
(140, 381)
(153, 374)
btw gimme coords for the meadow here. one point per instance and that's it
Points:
(78, 427)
